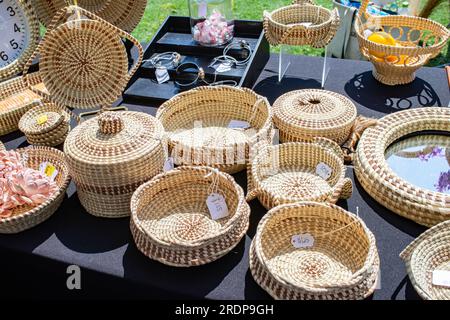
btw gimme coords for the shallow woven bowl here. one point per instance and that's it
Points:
(408, 32)
(286, 173)
(26, 217)
(429, 252)
(197, 125)
(343, 262)
(304, 114)
(423, 206)
(283, 26)
(170, 221)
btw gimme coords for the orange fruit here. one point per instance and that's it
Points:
(381, 37)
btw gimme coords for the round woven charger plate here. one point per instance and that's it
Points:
(423, 206)
(304, 114)
(426, 254)
(341, 263)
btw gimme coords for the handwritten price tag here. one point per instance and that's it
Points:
(217, 206)
(169, 164)
(238, 124)
(323, 171)
(42, 119)
(49, 170)
(441, 278)
(302, 241)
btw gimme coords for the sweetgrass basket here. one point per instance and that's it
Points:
(124, 14)
(429, 252)
(304, 114)
(423, 206)
(15, 100)
(310, 250)
(301, 23)
(170, 221)
(83, 61)
(2, 146)
(46, 124)
(418, 39)
(26, 217)
(198, 126)
(288, 173)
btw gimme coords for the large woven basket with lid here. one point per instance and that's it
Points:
(26, 217)
(418, 39)
(429, 252)
(198, 126)
(287, 173)
(301, 23)
(340, 260)
(171, 223)
(304, 114)
(110, 156)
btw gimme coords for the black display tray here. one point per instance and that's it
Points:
(175, 35)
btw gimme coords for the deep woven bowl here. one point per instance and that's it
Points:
(26, 217)
(170, 221)
(342, 263)
(197, 122)
(286, 173)
(429, 252)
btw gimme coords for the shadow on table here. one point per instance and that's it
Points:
(272, 89)
(410, 292)
(367, 91)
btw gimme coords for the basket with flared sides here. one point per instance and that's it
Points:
(428, 253)
(171, 223)
(26, 217)
(301, 23)
(298, 171)
(418, 41)
(199, 126)
(310, 250)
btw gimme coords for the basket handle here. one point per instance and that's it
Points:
(343, 190)
(301, 2)
(361, 124)
(362, 12)
(252, 190)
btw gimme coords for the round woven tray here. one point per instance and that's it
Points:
(110, 156)
(429, 252)
(286, 173)
(15, 100)
(286, 25)
(125, 14)
(46, 125)
(26, 217)
(170, 221)
(373, 172)
(197, 122)
(304, 114)
(84, 63)
(420, 40)
(342, 263)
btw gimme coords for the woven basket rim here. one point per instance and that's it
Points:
(366, 268)
(185, 170)
(12, 83)
(24, 216)
(46, 107)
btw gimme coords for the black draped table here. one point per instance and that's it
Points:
(34, 263)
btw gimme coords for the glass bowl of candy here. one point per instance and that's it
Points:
(212, 21)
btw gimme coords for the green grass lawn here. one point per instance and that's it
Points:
(158, 10)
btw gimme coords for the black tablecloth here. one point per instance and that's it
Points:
(33, 263)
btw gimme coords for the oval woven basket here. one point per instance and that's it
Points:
(301, 23)
(304, 114)
(418, 39)
(15, 100)
(46, 125)
(26, 217)
(429, 252)
(335, 258)
(286, 173)
(171, 223)
(124, 14)
(423, 206)
(78, 55)
(198, 126)
(110, 156)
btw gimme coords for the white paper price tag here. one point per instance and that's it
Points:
(49, 170)
(162, 75)
(441, 278)
(323, 171)
(238, 124)
(302, 241)
(217, 206)
(169, 164)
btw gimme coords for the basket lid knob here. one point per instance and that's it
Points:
(110, 123)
